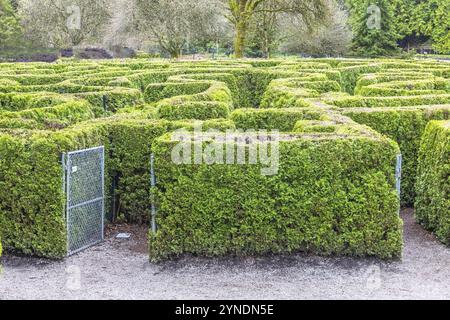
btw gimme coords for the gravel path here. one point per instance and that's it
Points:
(118, 269)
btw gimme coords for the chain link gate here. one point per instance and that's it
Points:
(85, 208)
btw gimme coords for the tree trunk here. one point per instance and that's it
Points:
(266, 46)
(174, 54)
(239, 41)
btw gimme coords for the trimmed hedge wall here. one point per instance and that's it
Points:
(331, 196)
(128, 164)
(56, 117)
(131, 142)
(351, 74)
(17, 102)
(405, 126)
(334, 193)
(282, 120)
(156, 92)
(433, 183)
(202, 110)
(406, 88)
(388, 102)
(31, 195)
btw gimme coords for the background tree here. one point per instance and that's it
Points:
(241, 12)
(374, 30)
(407, 20)
(64, 23)
(172, 24)
(10, 30)
(331, 38)
(436, 23)
(264, 32)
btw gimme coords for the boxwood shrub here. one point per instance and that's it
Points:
(433, 182)
(22, 101)
(282, 120)
(57, 117)
(131, 142)
(351, 74)
(200, 110)
(128, 164)
(385, 102)
(332, 195)
(405, 126)
(159, 91)
(32, 215)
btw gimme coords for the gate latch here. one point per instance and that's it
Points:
(74, 169)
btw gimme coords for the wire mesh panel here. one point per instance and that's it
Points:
(85, 198)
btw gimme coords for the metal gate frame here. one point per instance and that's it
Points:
(398, 174)
(66, 160)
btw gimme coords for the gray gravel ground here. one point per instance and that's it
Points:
(118, 269)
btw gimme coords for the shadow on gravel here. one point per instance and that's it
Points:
(119, 269)
(415, 236)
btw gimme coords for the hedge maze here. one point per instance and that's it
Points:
(343, 124)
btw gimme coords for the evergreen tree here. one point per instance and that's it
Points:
(374, 27)
(408, 21)
(437, 24)
(10, 29)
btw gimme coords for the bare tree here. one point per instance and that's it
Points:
(172, 24)
(332, 37)
(121, 29)
(64, 23)
(266, 27)
(240, 13)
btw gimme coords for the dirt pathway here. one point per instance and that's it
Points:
(118, 269)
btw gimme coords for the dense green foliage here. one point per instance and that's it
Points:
(31, 194)
(408, 23)
(283, 120)
(406, 126)
(421, 20)
(374, 31)
(433, 184)
(330, 197)
(335, 189)
(10, 29)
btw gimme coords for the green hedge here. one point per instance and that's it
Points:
(131, 142)
(201, 110)
(351, 74)
(228, 78)
(113, 100)
(383, 77)
(8, 82)
(308, 126)
(31, 194)
(330, 196)
(46, 109)
(129, 160)
(21, 101)
(282, 94)
(282, 120)
(381, 102)
(156, 92)
(433, 183)
(252, 84)
(57, 117)
(406, 126)
(405, 88)
(221, 125)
